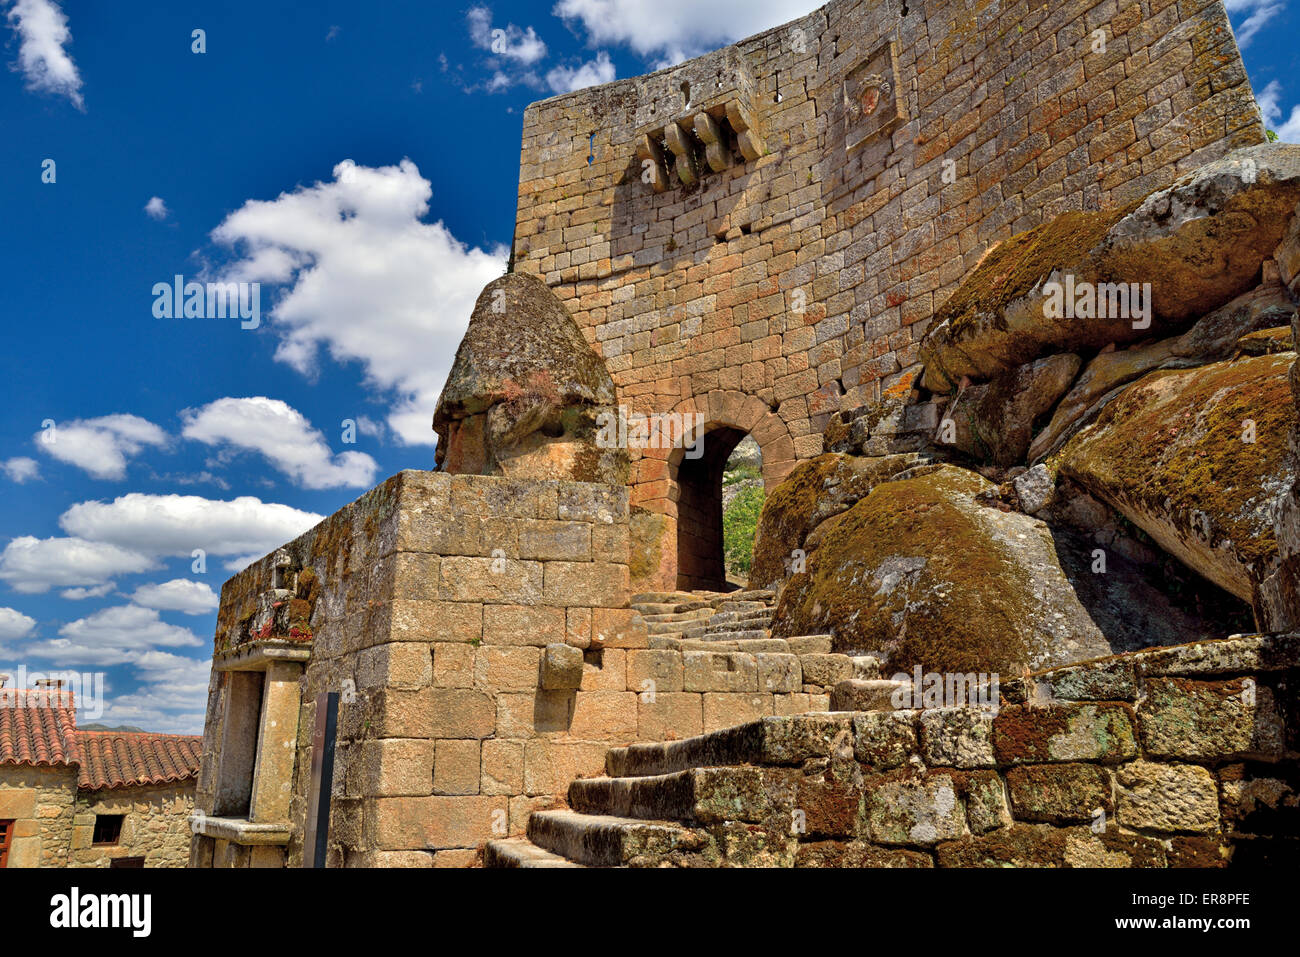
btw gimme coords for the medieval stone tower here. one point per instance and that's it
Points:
(761, 234)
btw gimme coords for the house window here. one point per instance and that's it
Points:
(108, 828)
(6, 832)
(126, 862)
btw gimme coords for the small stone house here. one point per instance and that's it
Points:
(73, 798)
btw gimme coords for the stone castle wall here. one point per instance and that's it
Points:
(449, 611)
(843, 173)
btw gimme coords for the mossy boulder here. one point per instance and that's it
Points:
(920, 572)
(1198, 243)
(1198, 459)
(526, 393)
(1247, 325)
(813, 492)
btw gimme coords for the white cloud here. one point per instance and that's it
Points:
(282, 434)
(180, 594)
(14, 624)
(31, 565)
(100, 446)
(565, 79)
(43, 30)
(156, 208)
(112, 636)
(368, 280)
(172, 697)
(1258, 14)
(175, 525)
(676, 30)
(80, 594)
(1288, 131)
(20, 469)
(523, 46)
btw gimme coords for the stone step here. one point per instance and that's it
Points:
(732, 607)
(780, 741)
(664, 627)
(740, 616)
(600, 840)
(747, 635)
(520, 852)
(695, 796)
(750, 645)
(664, 597)
(645, 609)
(750, 624)
(858, 694)
(758, 594)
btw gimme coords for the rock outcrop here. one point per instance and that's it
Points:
(526, 396)
(1198, 244)
(1198, 460)
(922, 572)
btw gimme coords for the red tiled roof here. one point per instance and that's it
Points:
(36, 728)
(40, 730)
(112, 759)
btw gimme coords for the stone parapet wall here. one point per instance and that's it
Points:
(866, 162)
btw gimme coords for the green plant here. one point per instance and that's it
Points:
(739, 526)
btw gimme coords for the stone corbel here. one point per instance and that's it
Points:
(748, 137)
(679, 141)
(651, 159)
(716, 151)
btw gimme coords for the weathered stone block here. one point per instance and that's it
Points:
(957, 737)
(605, 670)
(459, 713)
(722, 710)
(393, 767)
(719, 671)
(599, 584)
(884, 739)
(1059, 793)
(669, 716)
(663, 669)
(523, 625)
(453, 665)
(1025, 734)
(1167, 797)
(552, 541)
(495, 580)
(561, 668)
(1187, 719)
(779, 673)
(507, 667)
(456, 767)
(826, 670)
(502, 767)
(605, 715)
(920, 811)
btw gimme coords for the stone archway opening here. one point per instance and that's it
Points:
(701, 563)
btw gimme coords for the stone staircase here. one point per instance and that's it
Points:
(703, 616)
(1087, 765)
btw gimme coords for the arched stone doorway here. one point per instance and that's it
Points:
(685, 550)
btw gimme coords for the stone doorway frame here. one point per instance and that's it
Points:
(655, 481)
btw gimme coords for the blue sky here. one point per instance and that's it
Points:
(360, 164)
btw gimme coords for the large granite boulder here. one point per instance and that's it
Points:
(527, 396)
(1199, 243)
(922, 572)
(1198, 459)
(1215, 337)
(815, 491)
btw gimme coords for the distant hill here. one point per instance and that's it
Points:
(104, 727)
